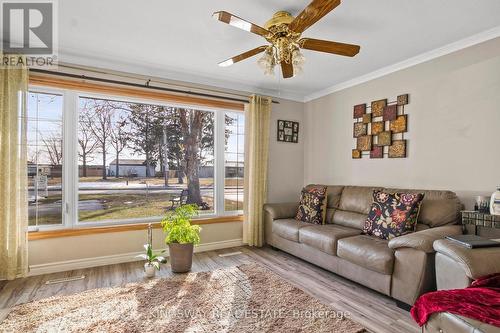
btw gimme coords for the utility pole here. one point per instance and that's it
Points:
(165, 154)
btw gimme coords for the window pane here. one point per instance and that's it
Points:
(45, 158)
(234, 160)
(136, 160)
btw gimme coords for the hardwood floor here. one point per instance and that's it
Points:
(376, 312)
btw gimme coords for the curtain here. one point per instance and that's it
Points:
(257, 118)
(13, 172)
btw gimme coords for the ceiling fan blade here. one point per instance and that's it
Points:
(243, 56)
(287, 70)
(312, 14)
(349, 50)
(238, 22)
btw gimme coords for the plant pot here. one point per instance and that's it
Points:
(181, 257)
(150, 270)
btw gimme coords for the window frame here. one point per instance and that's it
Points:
(70, 178)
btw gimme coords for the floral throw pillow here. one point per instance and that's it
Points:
(312, 208)
(393, 214)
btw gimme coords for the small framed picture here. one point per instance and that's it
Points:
(288, 131)
(281, 125)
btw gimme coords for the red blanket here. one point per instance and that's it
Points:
(480, 301)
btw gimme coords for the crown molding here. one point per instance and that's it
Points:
(421, 58)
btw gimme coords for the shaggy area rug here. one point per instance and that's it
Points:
(247, 298)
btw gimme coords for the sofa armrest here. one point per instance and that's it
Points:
(281, 210)
(474, 262)
(423, 240)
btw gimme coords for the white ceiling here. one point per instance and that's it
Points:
(180, 40)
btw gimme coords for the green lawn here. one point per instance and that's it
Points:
(125, 206)
(122, 206)
(128, 206)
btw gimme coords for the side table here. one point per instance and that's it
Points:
(481, 224)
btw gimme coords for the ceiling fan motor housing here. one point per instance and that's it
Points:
(283, 40)
(279, 18)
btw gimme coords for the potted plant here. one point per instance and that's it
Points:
(181, 236)
(153, 261)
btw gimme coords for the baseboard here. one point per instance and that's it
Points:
(62, 266)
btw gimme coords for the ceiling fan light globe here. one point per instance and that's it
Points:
(269, 71)
(263, 62)
(298, 57)
(297, 69)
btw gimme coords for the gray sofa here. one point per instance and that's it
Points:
(402, 268)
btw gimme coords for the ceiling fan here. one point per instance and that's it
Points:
(283, 32)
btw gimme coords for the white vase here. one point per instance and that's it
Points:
(150, 270)
(495, 202)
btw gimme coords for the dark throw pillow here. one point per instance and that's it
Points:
(312, 208)
(393, 214)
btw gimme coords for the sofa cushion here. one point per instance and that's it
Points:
(367, 251)
(312, 207)
(334, 194)
(325, 237)
(429, 194)
(357, 198)
(393, 214)
(436, 213)
(349, 219)
(288, 228)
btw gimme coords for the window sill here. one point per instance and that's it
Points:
(37, 235)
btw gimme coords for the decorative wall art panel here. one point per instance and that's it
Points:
(403, 99)
(398, 125)
(382, 124)
(377, 127)
(397, 149)
(384, 138)
(360, 129)
(288, 131)
(359, 111)
(377, 152)
(390, 112)
(364, 143)
(378, 107)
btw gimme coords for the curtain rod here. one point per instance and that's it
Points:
(137, 85)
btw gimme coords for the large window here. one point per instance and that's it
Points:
(130, 161)
(136, 160)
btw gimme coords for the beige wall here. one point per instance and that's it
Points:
(112, 244)
(454, 127)
(286, 165)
